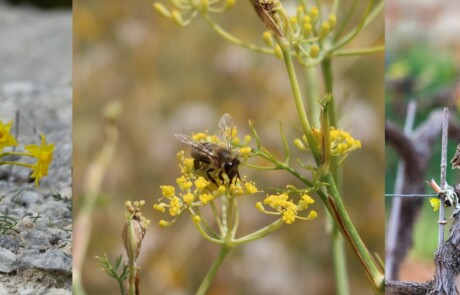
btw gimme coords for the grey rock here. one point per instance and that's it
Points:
(28, 198)
(7, 261)
(52, 260)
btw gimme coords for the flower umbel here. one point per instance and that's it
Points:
(342, 142)
(285, 207)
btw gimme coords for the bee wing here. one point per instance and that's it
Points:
(267, 19)
(187, 139)
(226, 129)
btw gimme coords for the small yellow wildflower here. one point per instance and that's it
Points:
(289, 213)
(312, 215)
(188, 165)
(260, 207)
(188, 198)
(196, 219)
(201, 183)
(6, 139)
(184, 183)
(174, 206)
(435, 203)
(236, 190)
(287, 208)
(268, 38)
(160, 207)
(304, 202)
(164, 223)
(206, 198)
(44, 156)
(201, 136)
(168, 191)
(314, 12)
(341, 141)
(245, 151)
(250, 188)
(314, 51)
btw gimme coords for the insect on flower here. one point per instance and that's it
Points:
(456, 159)
(213, 157)
(265, 10)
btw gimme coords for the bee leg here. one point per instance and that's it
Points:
(221, 177)
(196, 164)
(208, 173)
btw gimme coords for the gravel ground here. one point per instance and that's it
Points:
(36, 94)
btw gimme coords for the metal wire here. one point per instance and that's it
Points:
(412, 195)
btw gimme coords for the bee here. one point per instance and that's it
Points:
(213, 157)
(456, 159)
(265, 10)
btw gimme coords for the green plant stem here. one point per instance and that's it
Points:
(312, 94)
(204, 286)
(232, 39)
(340, 214)
(360, 51)
(336, 206)
(285, 49)
(338, 245)
(339, 260)
(131, 258)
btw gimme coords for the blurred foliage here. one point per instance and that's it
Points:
(178, 80)
(420, 67)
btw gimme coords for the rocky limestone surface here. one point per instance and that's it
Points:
(36, 94)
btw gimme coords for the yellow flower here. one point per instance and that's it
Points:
(341, 141)
(287, 208)
(160, 207)
(188, 198)
(168, 191)
(6, 139)
(44, 155)
(250, 188)
(184, 183)
(435, 203)
(174, 206)
(304, 202)
(245, 151)
(206, 198)
(201, 183)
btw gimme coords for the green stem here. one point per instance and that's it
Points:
(312, 94)
(360, 51)
(340, 214)
(213, 270)
(260, 233)
(338, 246)
(285, 48)
(232, 39)
(340, 261)
(131, 258)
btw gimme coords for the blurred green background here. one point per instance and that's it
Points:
(423, 55)
(178, 80)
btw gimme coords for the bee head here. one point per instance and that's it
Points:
(231, 169)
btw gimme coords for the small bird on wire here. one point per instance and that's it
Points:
(456, 159)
